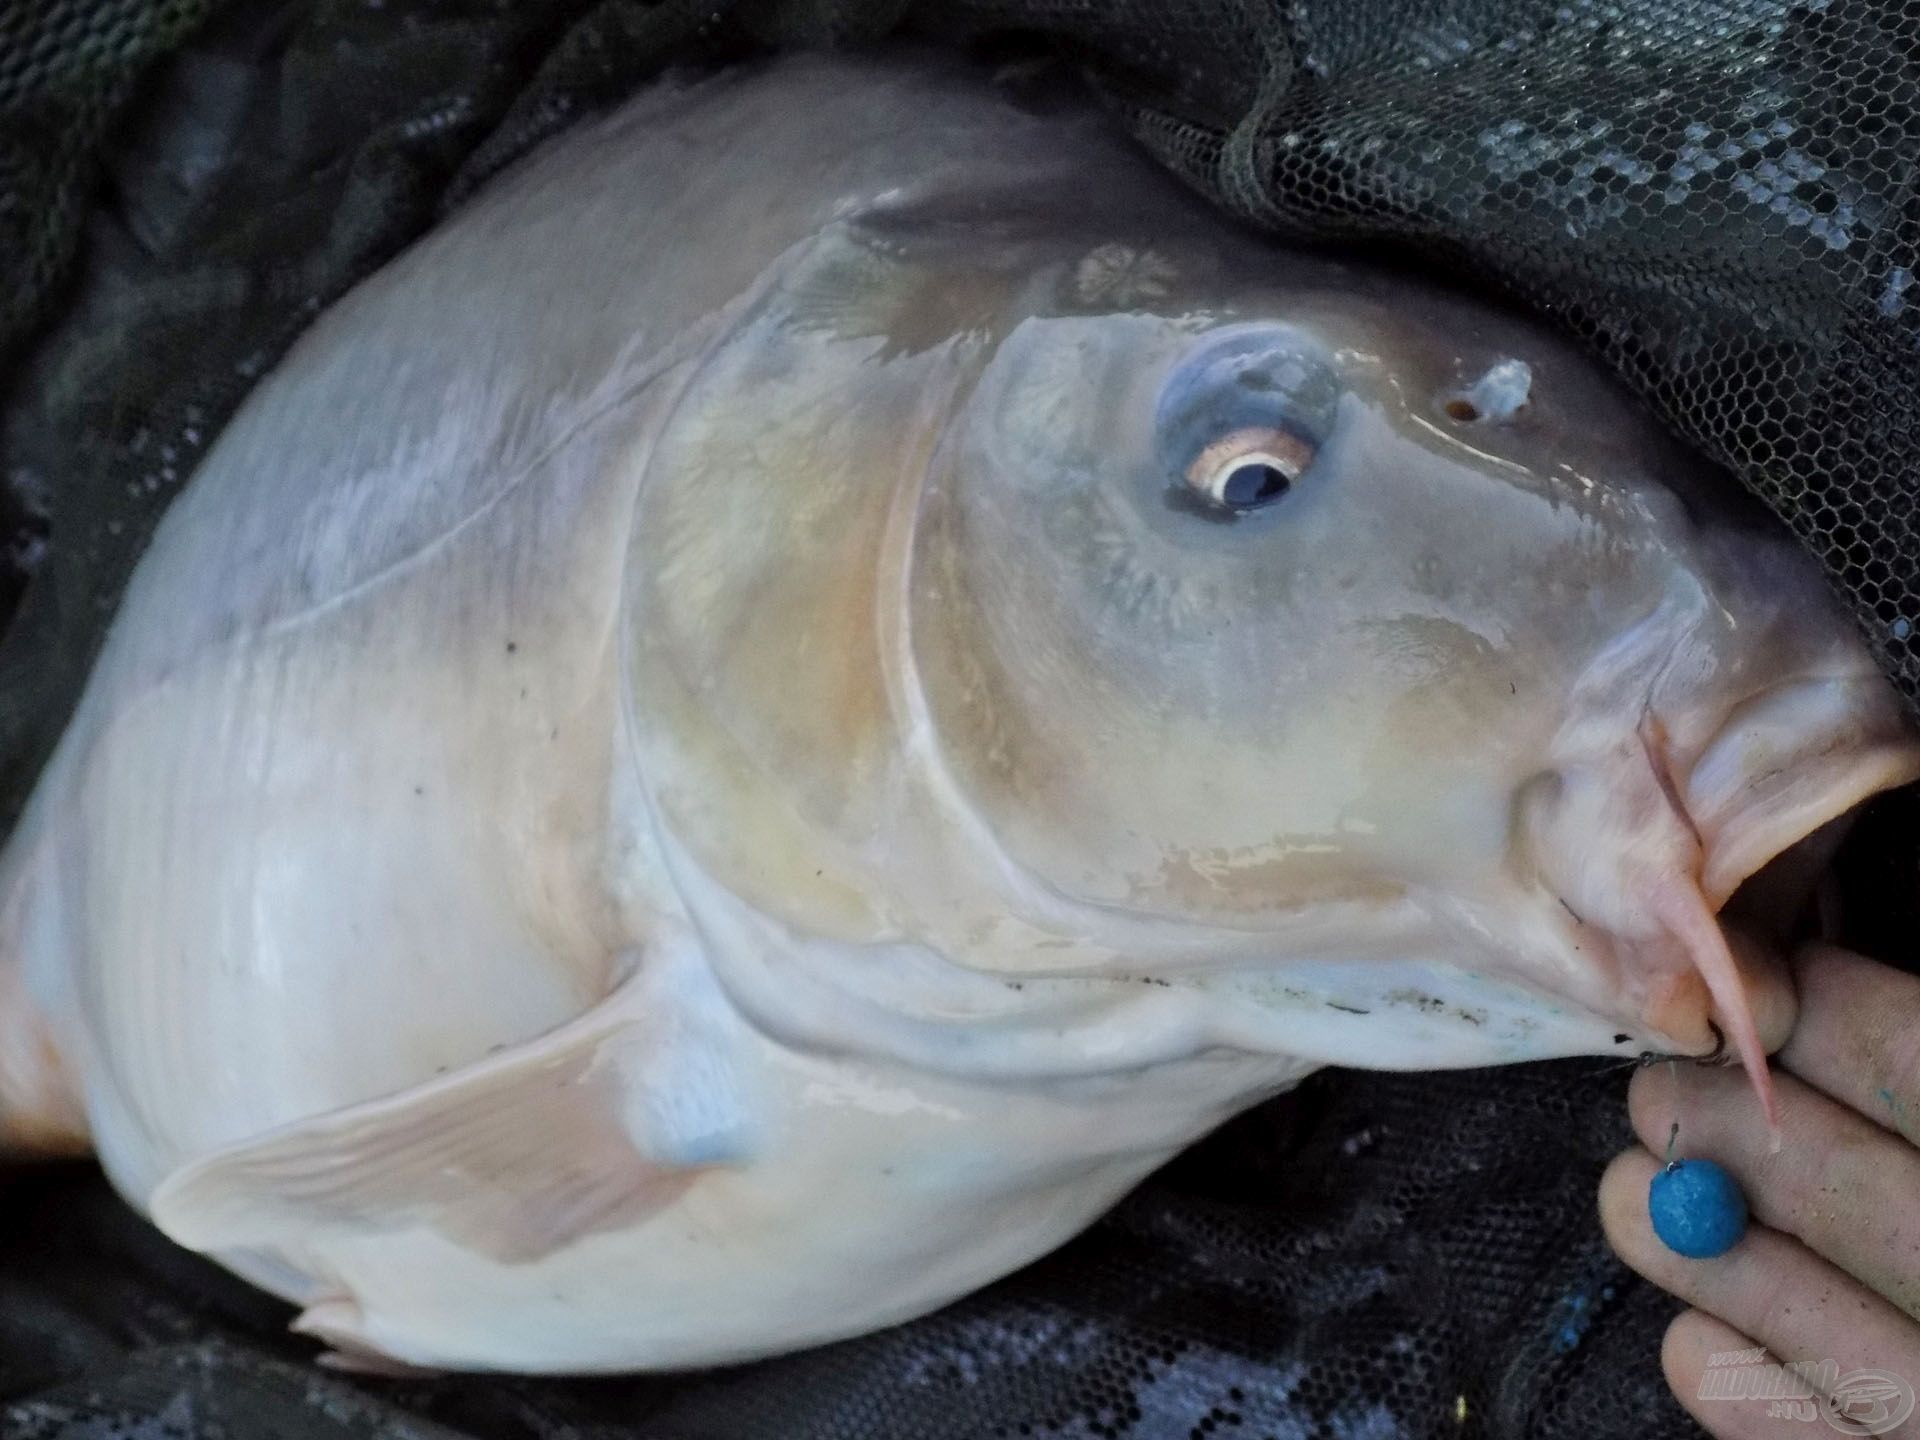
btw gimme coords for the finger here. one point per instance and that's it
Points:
(1858, 1036)
(1769, 1286)
(1697, 1343)
(1838, 1183)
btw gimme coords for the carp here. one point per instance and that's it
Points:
(747, 735)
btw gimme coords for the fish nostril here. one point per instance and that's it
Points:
(1495, 397)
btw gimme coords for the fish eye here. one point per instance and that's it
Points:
(1249, 468)
(1242, 416)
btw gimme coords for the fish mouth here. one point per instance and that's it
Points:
(1784, 768)
(1694, 865)
(1784, 765)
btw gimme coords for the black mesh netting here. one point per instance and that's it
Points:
(1720, 198)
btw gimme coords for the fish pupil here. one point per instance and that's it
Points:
(1254, 483)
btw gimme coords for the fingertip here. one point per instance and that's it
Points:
(1650, 1097)
(1716, 1108)
(1692, 1342)
(1623, 1202)
(1683, 1352)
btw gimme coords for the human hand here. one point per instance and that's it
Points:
(1830, 1269)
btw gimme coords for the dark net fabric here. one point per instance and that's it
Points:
(1720, 199)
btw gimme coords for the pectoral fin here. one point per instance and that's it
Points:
(591, 1127)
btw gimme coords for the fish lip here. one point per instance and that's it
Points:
(1787, 761)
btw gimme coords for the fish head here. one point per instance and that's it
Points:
(1332, 629)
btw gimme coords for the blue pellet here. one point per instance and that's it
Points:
(1697, 1209)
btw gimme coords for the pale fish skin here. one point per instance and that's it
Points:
(694, 775)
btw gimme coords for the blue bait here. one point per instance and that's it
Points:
(1697, 1208)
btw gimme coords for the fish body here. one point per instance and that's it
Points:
(741, 740)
